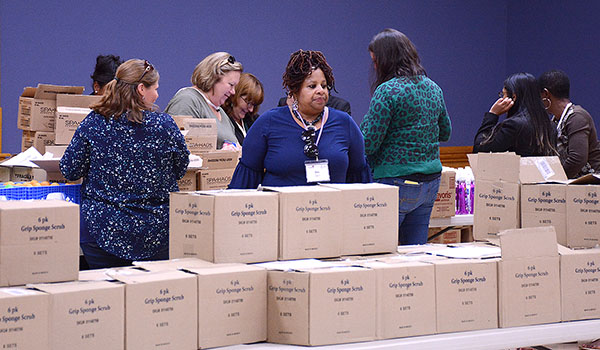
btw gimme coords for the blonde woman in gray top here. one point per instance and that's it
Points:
(214, 80)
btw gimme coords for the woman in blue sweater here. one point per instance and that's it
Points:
(406, 121)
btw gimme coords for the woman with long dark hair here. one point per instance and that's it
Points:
(527, 130)
(406, 121)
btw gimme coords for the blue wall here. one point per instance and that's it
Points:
(463, 45)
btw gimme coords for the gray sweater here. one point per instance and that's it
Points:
(189, 101)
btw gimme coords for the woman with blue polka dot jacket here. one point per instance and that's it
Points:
(130, 157)
(406, 121)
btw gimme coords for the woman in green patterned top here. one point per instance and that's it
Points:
(407, 119)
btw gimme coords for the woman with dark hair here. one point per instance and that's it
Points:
(306, 142)
(130, 158)
(527, 130)
(104, 71)
(577, 141)
(242, 107)
(406, 121)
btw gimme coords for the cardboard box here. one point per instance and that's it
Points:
(528, 277)
(23, 319)
(70, 112)
(405, 298)
(37, 106)
(220, 159)
(496, 193)
(321, 306)
(189, 181)
(445, 203)
(579, 283)
(57, 151)
(39, 242)
(448, 237)
(24, 174)
(51, 167)
(5, 173)
(370, 223)
(214, 179)
(200, 126)
(583, 212)
(232, 305)
(466, 294)
(160, 309)
(224, 226)
(86, 315)
(545, 205)
(173, 264)
(37, 139)
(309, 222)
(200, 135)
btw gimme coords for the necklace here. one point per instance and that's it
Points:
(306, 122)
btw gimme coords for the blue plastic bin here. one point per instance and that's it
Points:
(71, 192)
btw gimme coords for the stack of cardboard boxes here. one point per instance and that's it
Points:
(444, 207)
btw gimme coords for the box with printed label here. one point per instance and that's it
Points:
(86, 315)
(370, 222)
(189, 181)
(220, 159)
(528, 277)
(23, 319)
(496, 195)
(466, 294)
(445, 203)
(321, 306)
(545, 205)
(39, 241)
(224, 226)
(583, 212)
(405, 298)
(24, 174)
(161, 309)
(214, 179)
(579, 283)
(232, 304)
(309, 222)
(37, 139)
(200, 126)
(37, 106)
(200, 135)
(70, 112)
(447, 237)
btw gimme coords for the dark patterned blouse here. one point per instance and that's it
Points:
(128, 170)
(406, 121)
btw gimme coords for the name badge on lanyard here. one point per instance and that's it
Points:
(317, 170)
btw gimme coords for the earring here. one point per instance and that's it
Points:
(295, 105)
(95, 91)
(143, 97)
(549, 102)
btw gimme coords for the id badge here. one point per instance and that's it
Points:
(317, 170)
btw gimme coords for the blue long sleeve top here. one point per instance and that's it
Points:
(273, 153)
(128, 170)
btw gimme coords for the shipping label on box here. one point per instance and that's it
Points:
(200, 126)
(23, 319)
(220, 159)
(67, 121)
(42, 245)
(160, 309)
(545, 205)
(580, 283)
(405, 298)
(370, 222)
(466, 294)
(583, 215)
(445, 203)
(86, 315)
(496, 208)
(321, 306)
(224, 226)
(309, 219)
(232, 305)
(528, 277)
(214, 179)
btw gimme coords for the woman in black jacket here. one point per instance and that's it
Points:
(526, 130)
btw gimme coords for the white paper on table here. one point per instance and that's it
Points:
(24, 158)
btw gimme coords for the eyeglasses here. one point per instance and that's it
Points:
(311, 149)
(147, 68)
(250, 104)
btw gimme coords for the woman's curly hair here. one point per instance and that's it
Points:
(301, 64)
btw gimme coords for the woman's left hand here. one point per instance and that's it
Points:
(502, 105)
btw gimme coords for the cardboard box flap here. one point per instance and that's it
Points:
(541, 169)
(528, 242)
(298, 189)
(50, 165)
(28, 91)
(495, 166)
(82, 101)
(49, 92)
(589, 179)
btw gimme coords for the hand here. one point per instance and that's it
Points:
(502, 105)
